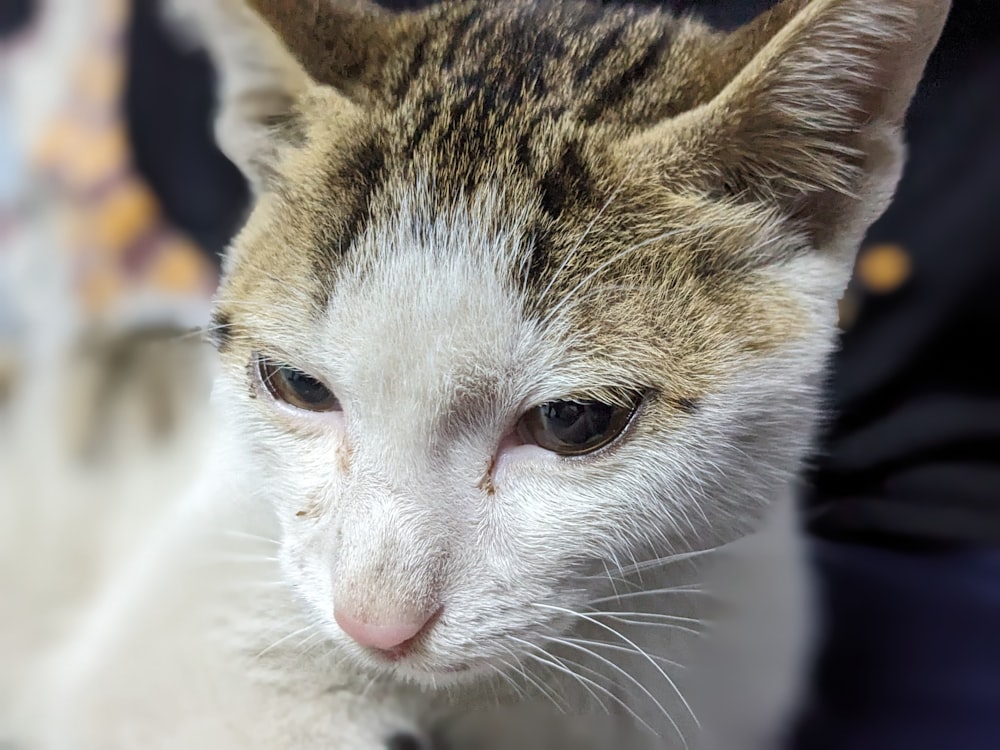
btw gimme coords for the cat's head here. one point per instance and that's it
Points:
(534, 288)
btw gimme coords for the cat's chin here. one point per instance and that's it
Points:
(462, 674)
(425, 673)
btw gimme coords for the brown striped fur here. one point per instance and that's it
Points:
(596, 121)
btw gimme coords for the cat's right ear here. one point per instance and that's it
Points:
(810, 119)
(281, 62)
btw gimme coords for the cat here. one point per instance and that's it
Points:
(520, 352)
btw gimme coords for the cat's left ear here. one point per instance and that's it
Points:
(283, 65)
(811, 120)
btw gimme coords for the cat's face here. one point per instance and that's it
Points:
(536, 290)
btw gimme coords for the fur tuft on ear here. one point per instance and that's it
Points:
(260, 83)
(276, 59)
(814, 115)
(344, 44)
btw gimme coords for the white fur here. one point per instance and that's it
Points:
(408, 515)
(195, 629)
(577, 581)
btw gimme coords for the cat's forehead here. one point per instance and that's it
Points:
(524, 90)
(499, 62)
(524, 94)
(523, 102)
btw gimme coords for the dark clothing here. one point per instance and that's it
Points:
(170, 101)
(914, 447)
(911, 657)
(15, 15)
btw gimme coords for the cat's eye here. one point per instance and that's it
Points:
(574, 427)
(295, 387)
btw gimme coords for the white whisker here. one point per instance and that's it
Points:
(245, 559)
(631, 679)
(554, 662)
(621, 649)
(638, 567)
(631, 643)
(618, 597)
(558, 702)
(232, 533)
(651, 615)
(618, 700)
(285, 639)
(508, 678)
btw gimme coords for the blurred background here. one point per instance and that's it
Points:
(116, 208)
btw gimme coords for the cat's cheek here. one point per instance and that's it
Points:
(305, 460)
(325, 432)
(513, 454)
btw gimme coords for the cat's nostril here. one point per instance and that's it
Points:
(388, 636)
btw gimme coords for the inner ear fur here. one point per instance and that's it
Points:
(811, 119)
(282, 63)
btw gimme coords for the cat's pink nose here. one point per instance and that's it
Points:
(388, 636)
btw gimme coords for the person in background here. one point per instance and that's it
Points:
(110, 227)
(902, 500)
(121, 164)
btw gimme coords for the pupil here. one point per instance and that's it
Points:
(563, 414)
(307, 388)
(574, 423)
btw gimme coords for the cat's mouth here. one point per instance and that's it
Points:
(412, 657)
(424, 670)
(400, 660)
(417, 662)
(401, 655)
